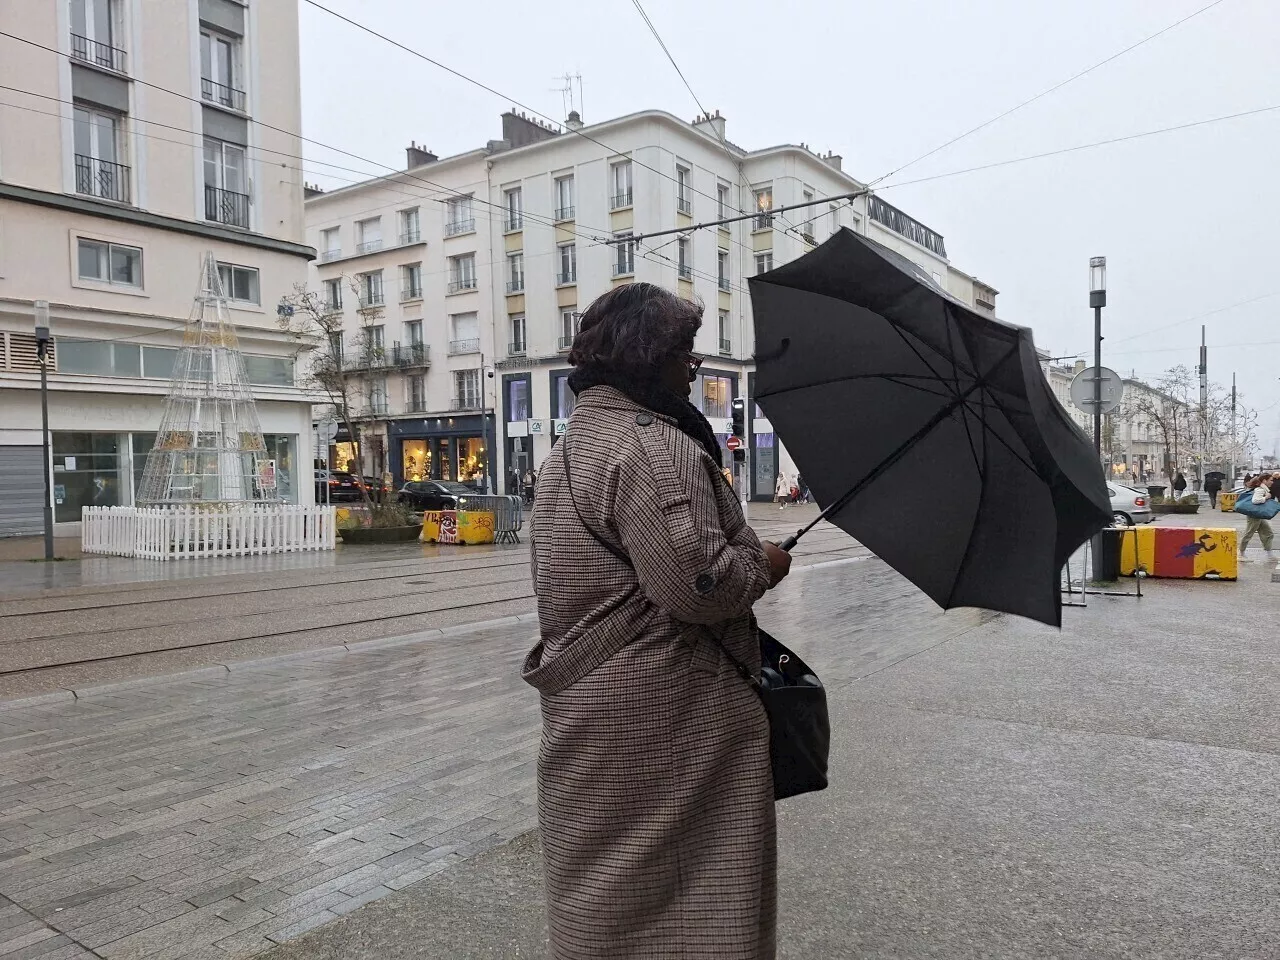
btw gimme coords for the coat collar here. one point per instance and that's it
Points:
(611, 398)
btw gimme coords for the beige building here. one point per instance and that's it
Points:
(142, 139)
(470, 273)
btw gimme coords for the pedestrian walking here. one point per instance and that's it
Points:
(782, 491)
(803, 488)
(530, 480)
(655, 791)
(1212, 485)
(1179, 484)
(1265, 487)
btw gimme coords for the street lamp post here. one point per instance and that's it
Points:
(42, 352)
(1097, 300)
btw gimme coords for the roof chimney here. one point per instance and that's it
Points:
(833, 160)
(417, 156)
(711, 124)
(519, 130)
(575, 120)
(310, 190)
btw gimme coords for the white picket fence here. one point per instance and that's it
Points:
(177, 533)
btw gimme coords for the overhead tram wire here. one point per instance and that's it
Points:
(1044, 93)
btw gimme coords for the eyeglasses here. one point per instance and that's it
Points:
(694, 364)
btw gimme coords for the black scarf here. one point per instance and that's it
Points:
(656, 397)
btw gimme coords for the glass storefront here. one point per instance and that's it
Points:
(86, 473)
(282, 447)
(345, 457)
(470, 465)
(416, 458)
(715, 395)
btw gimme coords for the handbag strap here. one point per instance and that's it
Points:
(617, 552)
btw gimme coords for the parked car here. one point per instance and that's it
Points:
(337, 487)
(379, 490)
(435, 494)
(1129, 506)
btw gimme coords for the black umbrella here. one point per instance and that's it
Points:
(924, 428)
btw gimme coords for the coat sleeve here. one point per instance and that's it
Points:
(667, 516)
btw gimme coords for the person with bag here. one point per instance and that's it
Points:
(655, 784)
(782, 491)
(1258, 512)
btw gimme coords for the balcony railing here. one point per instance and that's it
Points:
(726, 347)
(620, 200)
(684, 205)
(330, 307)
(327, 255)
(101, 178)
(515, 286)
(457, 227)
(564, 279)
(685, 271)
(514, 222)
(624, 269)
(409, 237)
(222, 94)
(459, 347)
(461, 284)
(369, 246)
(371, 298)
(377, 408)
(464, 403)
(762, 222)
(374, 358)
(416, 405)
(226, 206)
(99, 54)
(411, 292)
(723, 283)
(564, 213)
(564, 343)
(517, 349)
(412, 355)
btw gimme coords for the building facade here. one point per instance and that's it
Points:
(141, 139)
(462, 279)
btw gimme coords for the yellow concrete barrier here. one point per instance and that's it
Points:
(1227, 502)
(1188, 553)
(457, 526)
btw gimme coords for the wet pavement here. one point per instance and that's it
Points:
(998, 788)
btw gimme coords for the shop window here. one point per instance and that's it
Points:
(415, 458)
(517, 400)
(471, 461)
(716, 395)
(86, 473)
(281, 448)
(345, 457)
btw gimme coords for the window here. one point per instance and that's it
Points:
(378, 396)
(519, 342)
(226, 196)
(110, 263)
(417, 393)
(220, 70)
(723, 207)
(764, 202)
(95, 33)
(515, 272)
(269, 371)
(101, 358)
(726, 344)
(621, 173)
(375, 337)
(333, 295)
(98, 141)
(564, 198)
(370, 289)
(806, 227)
(624, 263)
(764, 262)
(413, 333)
(853, 224)
(466, 389)
(459, 217)
(369, 235)
(409, 229)
(330, 244)
(411, 281)
(684, 190)
(517, 400)
(568, 264)
(239, 283)
(335, 347)
(569, 318)
(835, 218)
(684, 261)
(466, 333)
(722, 269)
(563, 399)
(513, 201)
(462, 273)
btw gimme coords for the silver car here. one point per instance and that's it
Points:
(1129, 506)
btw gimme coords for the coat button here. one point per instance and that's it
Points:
(705, 583)
(644, 419)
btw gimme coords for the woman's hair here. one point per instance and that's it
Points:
(1257, 481)
(635, 329)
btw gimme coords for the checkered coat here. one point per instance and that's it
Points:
(655, 798)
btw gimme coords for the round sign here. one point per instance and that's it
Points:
(1082, 389)
(733, 443)
(328, 429)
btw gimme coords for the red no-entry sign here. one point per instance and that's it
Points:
(733, 443)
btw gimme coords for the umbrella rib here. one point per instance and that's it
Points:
(973, 529)
(895, 377)
(1007, 445)
(964, 418)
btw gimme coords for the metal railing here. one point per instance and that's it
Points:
(685, 271)
(465, 283)
(411, 292)
(99, 54)
(410, 236)
(619, 200)
(416, 406)
(372, 298)
(376, 409)
(624, 269)
(459, 347)
(374, 358)
(330, 307)
(369, 246)
(517, 349)
(327, 255)
(412, 355)
(564, 213)
(508, 514)
(726, 346)
(464, 403)
(515, 286)
(723, 283)
(763, 221)
(222, 94)
(226, 206)
(457, 227)
(684, 205)
(564, 343)
(102, 178)
(514, 222)
(564, 279)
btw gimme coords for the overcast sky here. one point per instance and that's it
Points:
(1187, 220)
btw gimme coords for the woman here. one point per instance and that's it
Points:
(1265, 487)
(1179, 484)
(782, 491)
(655, 797)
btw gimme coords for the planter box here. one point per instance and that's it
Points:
(364, 535)
(1175, 508)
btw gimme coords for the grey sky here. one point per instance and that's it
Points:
(1187, 220)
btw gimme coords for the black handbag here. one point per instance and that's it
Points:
(793, 697)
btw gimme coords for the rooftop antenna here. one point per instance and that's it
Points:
(570, 101)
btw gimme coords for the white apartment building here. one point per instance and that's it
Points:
(473, 269)
(138, 142)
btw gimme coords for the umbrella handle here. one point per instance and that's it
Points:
(789, 543)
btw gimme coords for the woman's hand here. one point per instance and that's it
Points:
(779, 562)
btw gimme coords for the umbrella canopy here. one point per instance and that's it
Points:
(925, 429)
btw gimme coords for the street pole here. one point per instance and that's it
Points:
(46, 459)
(1097, 300)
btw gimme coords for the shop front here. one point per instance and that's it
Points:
(517, 390)
(763, 448)
(440, 448)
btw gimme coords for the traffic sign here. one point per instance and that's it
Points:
(733, 443)
(328, 428)
(1083, 385)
